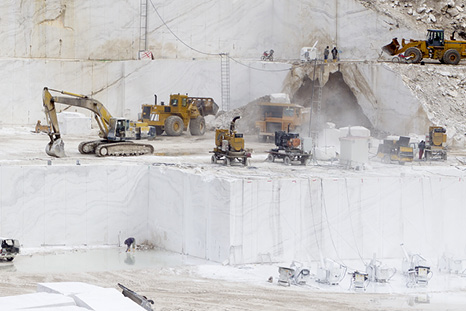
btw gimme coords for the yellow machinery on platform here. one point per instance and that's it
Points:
(116, 133)
(182, 112)
(229, 146)
(275, 117)
(435, 143)
(434, 47)
(396, 150)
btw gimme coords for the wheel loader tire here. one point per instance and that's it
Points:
(414, 53)
(270, 158)
(451, 57)
(197, 126)
(213, 160)
(174, 126)
(226, 161)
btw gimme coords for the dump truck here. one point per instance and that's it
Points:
(290, 148)
(229, 146)
(274, 117)
(434, 47)
(182, 112)
(435, 143)
(396, 150)
(116, 133)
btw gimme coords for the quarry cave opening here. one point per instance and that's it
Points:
(339, 105)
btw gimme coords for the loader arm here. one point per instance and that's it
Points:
(101, 114)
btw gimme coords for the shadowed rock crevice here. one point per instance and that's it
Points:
(339, 105)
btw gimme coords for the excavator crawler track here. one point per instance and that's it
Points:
(123, 149)
(88, 147)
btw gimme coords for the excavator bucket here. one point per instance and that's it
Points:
(392, 48)
(56, 148)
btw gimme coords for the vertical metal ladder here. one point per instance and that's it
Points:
(225, 80)
(143, 26)
(316, 97)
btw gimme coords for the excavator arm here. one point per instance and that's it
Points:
(102, 115)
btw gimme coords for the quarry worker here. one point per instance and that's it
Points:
(335, 54)
(326, 52)
(421, 146)
(130, 242)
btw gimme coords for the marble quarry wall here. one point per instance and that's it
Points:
(78, 46)
(88, 30)
(123, 86)
(234, 220)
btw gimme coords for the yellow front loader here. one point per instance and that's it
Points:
(434, 47)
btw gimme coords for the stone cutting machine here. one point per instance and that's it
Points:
(378, 272)
(416, 269)
(330, 272)
(296, 274)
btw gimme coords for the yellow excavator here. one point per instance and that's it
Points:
(116, 133)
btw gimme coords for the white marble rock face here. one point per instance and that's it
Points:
(230, 219)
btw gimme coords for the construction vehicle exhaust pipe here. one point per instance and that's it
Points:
(56, 148)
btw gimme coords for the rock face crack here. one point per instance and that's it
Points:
(58, 21)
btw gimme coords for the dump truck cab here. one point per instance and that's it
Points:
(274, 117)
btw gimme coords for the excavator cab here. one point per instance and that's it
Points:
(117, 129)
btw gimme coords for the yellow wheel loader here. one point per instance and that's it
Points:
(116, 133)
(229, 146)
(434, 47)
(182, 112)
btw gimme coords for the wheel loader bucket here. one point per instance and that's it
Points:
(209, 107)
(392, 48)
(56, 149)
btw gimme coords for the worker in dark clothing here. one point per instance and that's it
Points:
(130, 242)
(421, 146)
(335, 54)
(326, 52)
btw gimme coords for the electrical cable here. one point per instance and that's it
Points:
(211, 54)
(178, 38)
(313, 218)
(328, 222)
(351, 223)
